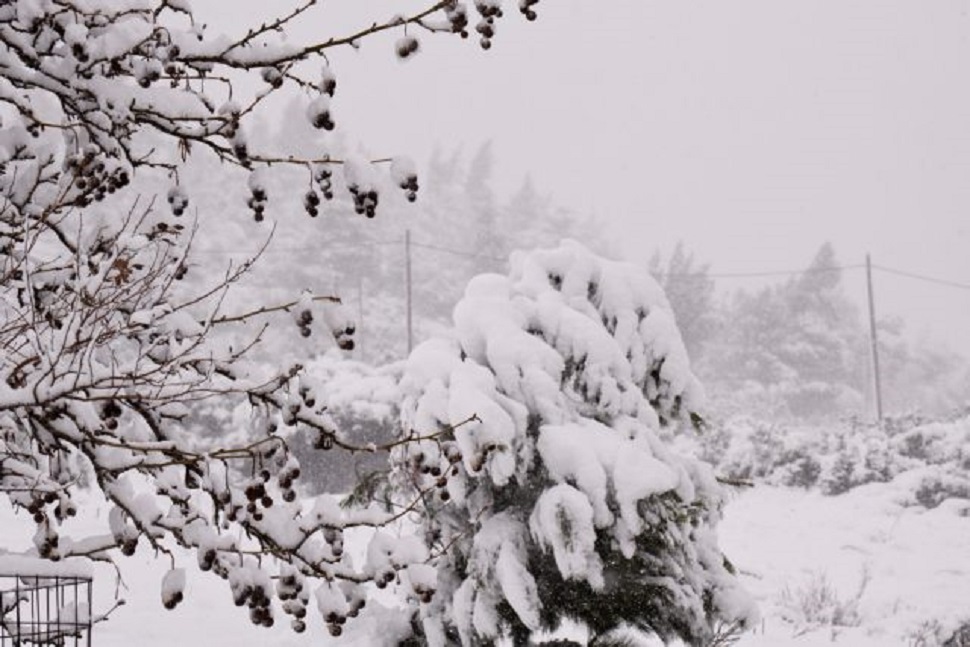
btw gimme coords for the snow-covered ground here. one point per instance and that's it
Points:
(806, 557)
(894, 570)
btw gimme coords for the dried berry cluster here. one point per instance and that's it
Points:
(256, 595)
(410, 186)
(319, 109)
(323, 176)
(125, 535)
(110, 412)
(292, 592)
(525, 6)
(437, 469)
(258, 494)
(178, 200)
(290, 413)
(318, 112)
(335, 538)
(36, 506)
(303, 322)
(273, 76)
(295, 403)
(365, 200)
(92, 176)
(489, 10)
(207, 558)
(47, 541)
(335, 620)
(324, 440)
(239, 146)
(172, 600)
(257, 201)
(311, 203)
(457, 16)
(345, 337)
(40, 500)
(147, 72)
(423, 592)
(287, 476)
(172, 588)
(258, 497)
(385, 576)
(328, 81)
(406, 47)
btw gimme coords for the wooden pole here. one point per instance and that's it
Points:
(360, 318)
(874, 341)
(407, 277)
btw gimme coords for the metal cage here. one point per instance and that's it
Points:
(42, 610)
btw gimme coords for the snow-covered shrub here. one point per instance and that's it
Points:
(862, 455)
(547, 492)
(799, 469)
(928, 633)
(363, 402)
(841, 456)
(937, 443)
(816, 603)
(839, 475)
(745, 448)
(934, 633)
(960, 636)
(932, 485)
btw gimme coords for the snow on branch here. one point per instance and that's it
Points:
(112, 348)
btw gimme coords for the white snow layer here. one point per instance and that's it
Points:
(556, 380)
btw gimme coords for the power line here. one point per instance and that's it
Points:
(745, 275)
(923, 277)
(455, 252)
(326, 247)
(716, 275)
(839, 268)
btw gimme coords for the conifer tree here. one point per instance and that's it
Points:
(548, 492)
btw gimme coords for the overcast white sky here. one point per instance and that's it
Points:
(753, 130)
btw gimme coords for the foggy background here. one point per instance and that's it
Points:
(753, 131)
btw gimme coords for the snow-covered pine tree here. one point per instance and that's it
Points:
(548, 493)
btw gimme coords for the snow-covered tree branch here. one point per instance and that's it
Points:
(106, 349)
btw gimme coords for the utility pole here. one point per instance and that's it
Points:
(360, 317)
(407, 279)
(874, 341)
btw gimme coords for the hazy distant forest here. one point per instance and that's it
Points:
(795, 347)
(795, 350)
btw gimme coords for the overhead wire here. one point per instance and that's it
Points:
(740, 275)
(324, 247)
(922, 277)
(455, 252)
(712, 275)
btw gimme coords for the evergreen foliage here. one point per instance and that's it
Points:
(557, 499)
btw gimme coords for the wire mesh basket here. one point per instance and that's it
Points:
(45, 610)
